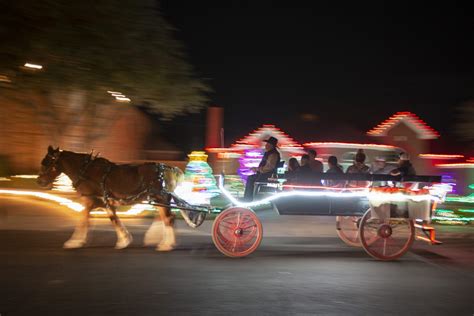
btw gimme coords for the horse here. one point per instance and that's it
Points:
(101, 183)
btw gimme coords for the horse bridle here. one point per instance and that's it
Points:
(53, 164)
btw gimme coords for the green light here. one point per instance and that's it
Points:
(466, 211)
(461, 199)
(462, 219)
(471, 186)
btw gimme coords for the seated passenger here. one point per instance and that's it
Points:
(292, 172)
(314, 164)
(359, 167)
(379, 166)
(304, 175)
(265, 169)
(405, 168)
(334, 168)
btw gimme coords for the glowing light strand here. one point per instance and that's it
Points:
(372, 196)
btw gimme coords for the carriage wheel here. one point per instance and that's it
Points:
(347, 228)
(237, 232)
(386, 239)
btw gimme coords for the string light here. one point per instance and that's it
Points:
(423, 130)
(440, 156)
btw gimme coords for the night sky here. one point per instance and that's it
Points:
(347, 67)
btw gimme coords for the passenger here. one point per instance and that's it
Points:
(316, 167)
(379, 166)
(314, 164)
(292, 172)
(405, 168)
(265, 169)
(359, 167)
(304, 175)
(334, 168)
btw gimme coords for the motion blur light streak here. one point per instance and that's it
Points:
(25, 176)
(63, 201)
(440, 156)
(123, 99)
(33, 66)
(76, 207)
(63, 184)
(375, 197)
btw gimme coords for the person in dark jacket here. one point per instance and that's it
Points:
(265, 169)
(405, 168)
(304, 175)
(292, 172)
(334, 168)
(358, 167)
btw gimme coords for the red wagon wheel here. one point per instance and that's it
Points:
(237, 232)
(386, 239)
(347, 228)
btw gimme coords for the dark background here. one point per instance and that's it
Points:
(350, 65)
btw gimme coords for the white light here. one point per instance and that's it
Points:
(376, 197)
(4, 78)
(33, 66)
(118, 95)
(76, 207)
(63, 201)
(116, 92)
(63, 184)
(123, 99)
(25, 176)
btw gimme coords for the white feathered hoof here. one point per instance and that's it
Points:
(169, 240)
(123, 242)
(154, 234)
(164, 247)
(74, 244)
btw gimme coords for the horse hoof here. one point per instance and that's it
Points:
(121, 244)
(74, 244)
(154, 235)
(164, 248)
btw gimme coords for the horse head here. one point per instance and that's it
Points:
(173, 176)
(50, 169)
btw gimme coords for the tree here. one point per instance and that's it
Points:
(465, 125)
(89, 47)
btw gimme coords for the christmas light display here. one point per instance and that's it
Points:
(466, 165)
(440, 156)
(255, 138)
(419, 126)
(250, 159)
(349, 145)
(199, 184)
(375, 196)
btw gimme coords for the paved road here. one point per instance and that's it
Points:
(300, 268)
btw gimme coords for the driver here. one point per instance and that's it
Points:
(265, 169)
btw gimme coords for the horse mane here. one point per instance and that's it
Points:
(172, 176)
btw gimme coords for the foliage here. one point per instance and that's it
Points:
(96, 46)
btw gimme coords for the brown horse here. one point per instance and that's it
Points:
(104, 184)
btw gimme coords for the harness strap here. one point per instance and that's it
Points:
(87, 162)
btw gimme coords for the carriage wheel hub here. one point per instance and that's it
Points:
(385, 231)
(238, 232)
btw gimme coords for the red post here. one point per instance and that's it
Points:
(214, 125)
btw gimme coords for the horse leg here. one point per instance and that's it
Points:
(169, 238)
(154, 234)
(79, 237)
(124, 238)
